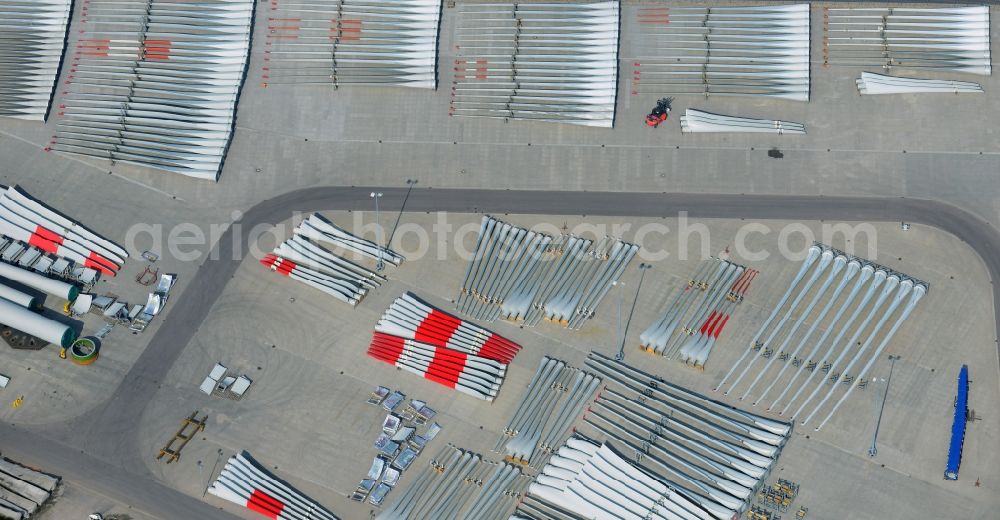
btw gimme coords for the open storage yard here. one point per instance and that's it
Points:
(777, 302)
(307, 413)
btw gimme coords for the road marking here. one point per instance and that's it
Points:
(118, 175)
(71, 157)
(418, 142)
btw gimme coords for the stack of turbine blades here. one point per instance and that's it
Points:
(546, 412)
(245, 482)
(27, 220)
(156, 83)
(874, 84)
(318, 228)
(597, 482)
(347, 290)
(524, 276)
(306, 261)
(498, 495)
(712, 454)
(32, 37)
(542, 62)
(724, 51)
(611, 261)
(698, 313)
(697, 121)
(469, 374)
(954, 39)
(435, 345)
(506, 257)
(354, 42)
(872, 302)
(460, 484)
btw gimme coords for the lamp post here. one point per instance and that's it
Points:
(873, 450)
(215, 467)
(618, 326)
(409, 183)
(379, 265)
(621, 347)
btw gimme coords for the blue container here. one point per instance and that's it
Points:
(958, 425)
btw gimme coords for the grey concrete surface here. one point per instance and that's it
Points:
(307, 417)
(109, 432)
(923, 159)
(182, 323)
(380, 136)
(98, 479)
(76, 502)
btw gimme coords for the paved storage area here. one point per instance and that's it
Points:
(307, 416)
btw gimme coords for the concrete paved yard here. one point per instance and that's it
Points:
(291, 136)
(306, 418)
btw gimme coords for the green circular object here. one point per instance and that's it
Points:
(83, 351)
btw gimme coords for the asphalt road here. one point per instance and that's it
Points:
(98, 477)
(101, 448)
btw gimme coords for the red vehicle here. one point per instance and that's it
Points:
(660, 112)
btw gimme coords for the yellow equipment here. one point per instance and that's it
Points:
(182, 435)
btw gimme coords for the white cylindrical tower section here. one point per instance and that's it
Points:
(57, 288)
(19, 297)
(20, 318)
